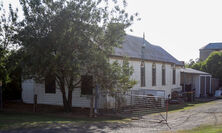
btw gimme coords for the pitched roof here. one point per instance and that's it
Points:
(213, 46)
(193, 71)
(132, 46)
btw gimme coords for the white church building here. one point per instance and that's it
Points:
(156, 71)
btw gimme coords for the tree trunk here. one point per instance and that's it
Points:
(70, 99)
(66, 102)
(91, 106)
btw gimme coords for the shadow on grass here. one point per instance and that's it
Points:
(11, 121)
(35, 122)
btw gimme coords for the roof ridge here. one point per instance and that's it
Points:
(216, 45)
(131, 47)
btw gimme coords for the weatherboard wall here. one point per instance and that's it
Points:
(148, 75)
(30, 88)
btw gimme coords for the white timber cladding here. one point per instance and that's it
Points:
(30, 87)
(28, 91)
(148, 75)
(197, 85)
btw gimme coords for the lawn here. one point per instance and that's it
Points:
(17, 119)
(186, 106)
(204, 129)
(10, 120)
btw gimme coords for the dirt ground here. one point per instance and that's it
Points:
(206, 114)
(209, 113)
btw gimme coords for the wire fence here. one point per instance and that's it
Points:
(143, 107)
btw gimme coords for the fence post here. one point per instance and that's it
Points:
(167, 109)
(116, 110)
(131, 102)
(35, 103)
(91, 106)
(1, 99)
(96, 101)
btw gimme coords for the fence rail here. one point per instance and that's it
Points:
(135, 105)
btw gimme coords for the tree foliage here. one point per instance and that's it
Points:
(10, 56)
(211, 65)
(7, 32)
(73, 38)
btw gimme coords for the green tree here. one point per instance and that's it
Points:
(68, 39)
(197, 66)
(7, 31)
(213, 64)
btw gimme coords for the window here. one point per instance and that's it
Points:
(142, 70)
(86, 85)
(163, 75)
(154, 74)
(50, 84)
(174, 75)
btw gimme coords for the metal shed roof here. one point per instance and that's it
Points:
(193, 71)
(213, 46)
(132, 45)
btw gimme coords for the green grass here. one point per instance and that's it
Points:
(204, 129)
(186, 106)
(26, 120)
(10, 120)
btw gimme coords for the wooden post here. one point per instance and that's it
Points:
(35, 103)
(131, 102)
(91, 106)
(1, 99)
(167, 105)
(96, 101)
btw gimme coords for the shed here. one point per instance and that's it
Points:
(197, 81)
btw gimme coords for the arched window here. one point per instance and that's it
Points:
(142, 74)
(153, 74)
(174, 74)
(163, 75)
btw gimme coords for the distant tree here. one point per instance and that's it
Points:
(197, 66)
(213, 64)
(192, 62)
(67, 39)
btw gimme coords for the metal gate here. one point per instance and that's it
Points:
(142, 107)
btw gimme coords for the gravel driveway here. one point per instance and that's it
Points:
(210, 113)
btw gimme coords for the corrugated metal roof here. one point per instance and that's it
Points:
(193, 71)
(213, 46)
(132, 46)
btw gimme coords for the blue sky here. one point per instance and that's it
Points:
(181, 27)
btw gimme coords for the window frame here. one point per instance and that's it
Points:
(142, 74)
(153, 74)
(174, 75)
(163, 74)
(86, 89)
(50, 84)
